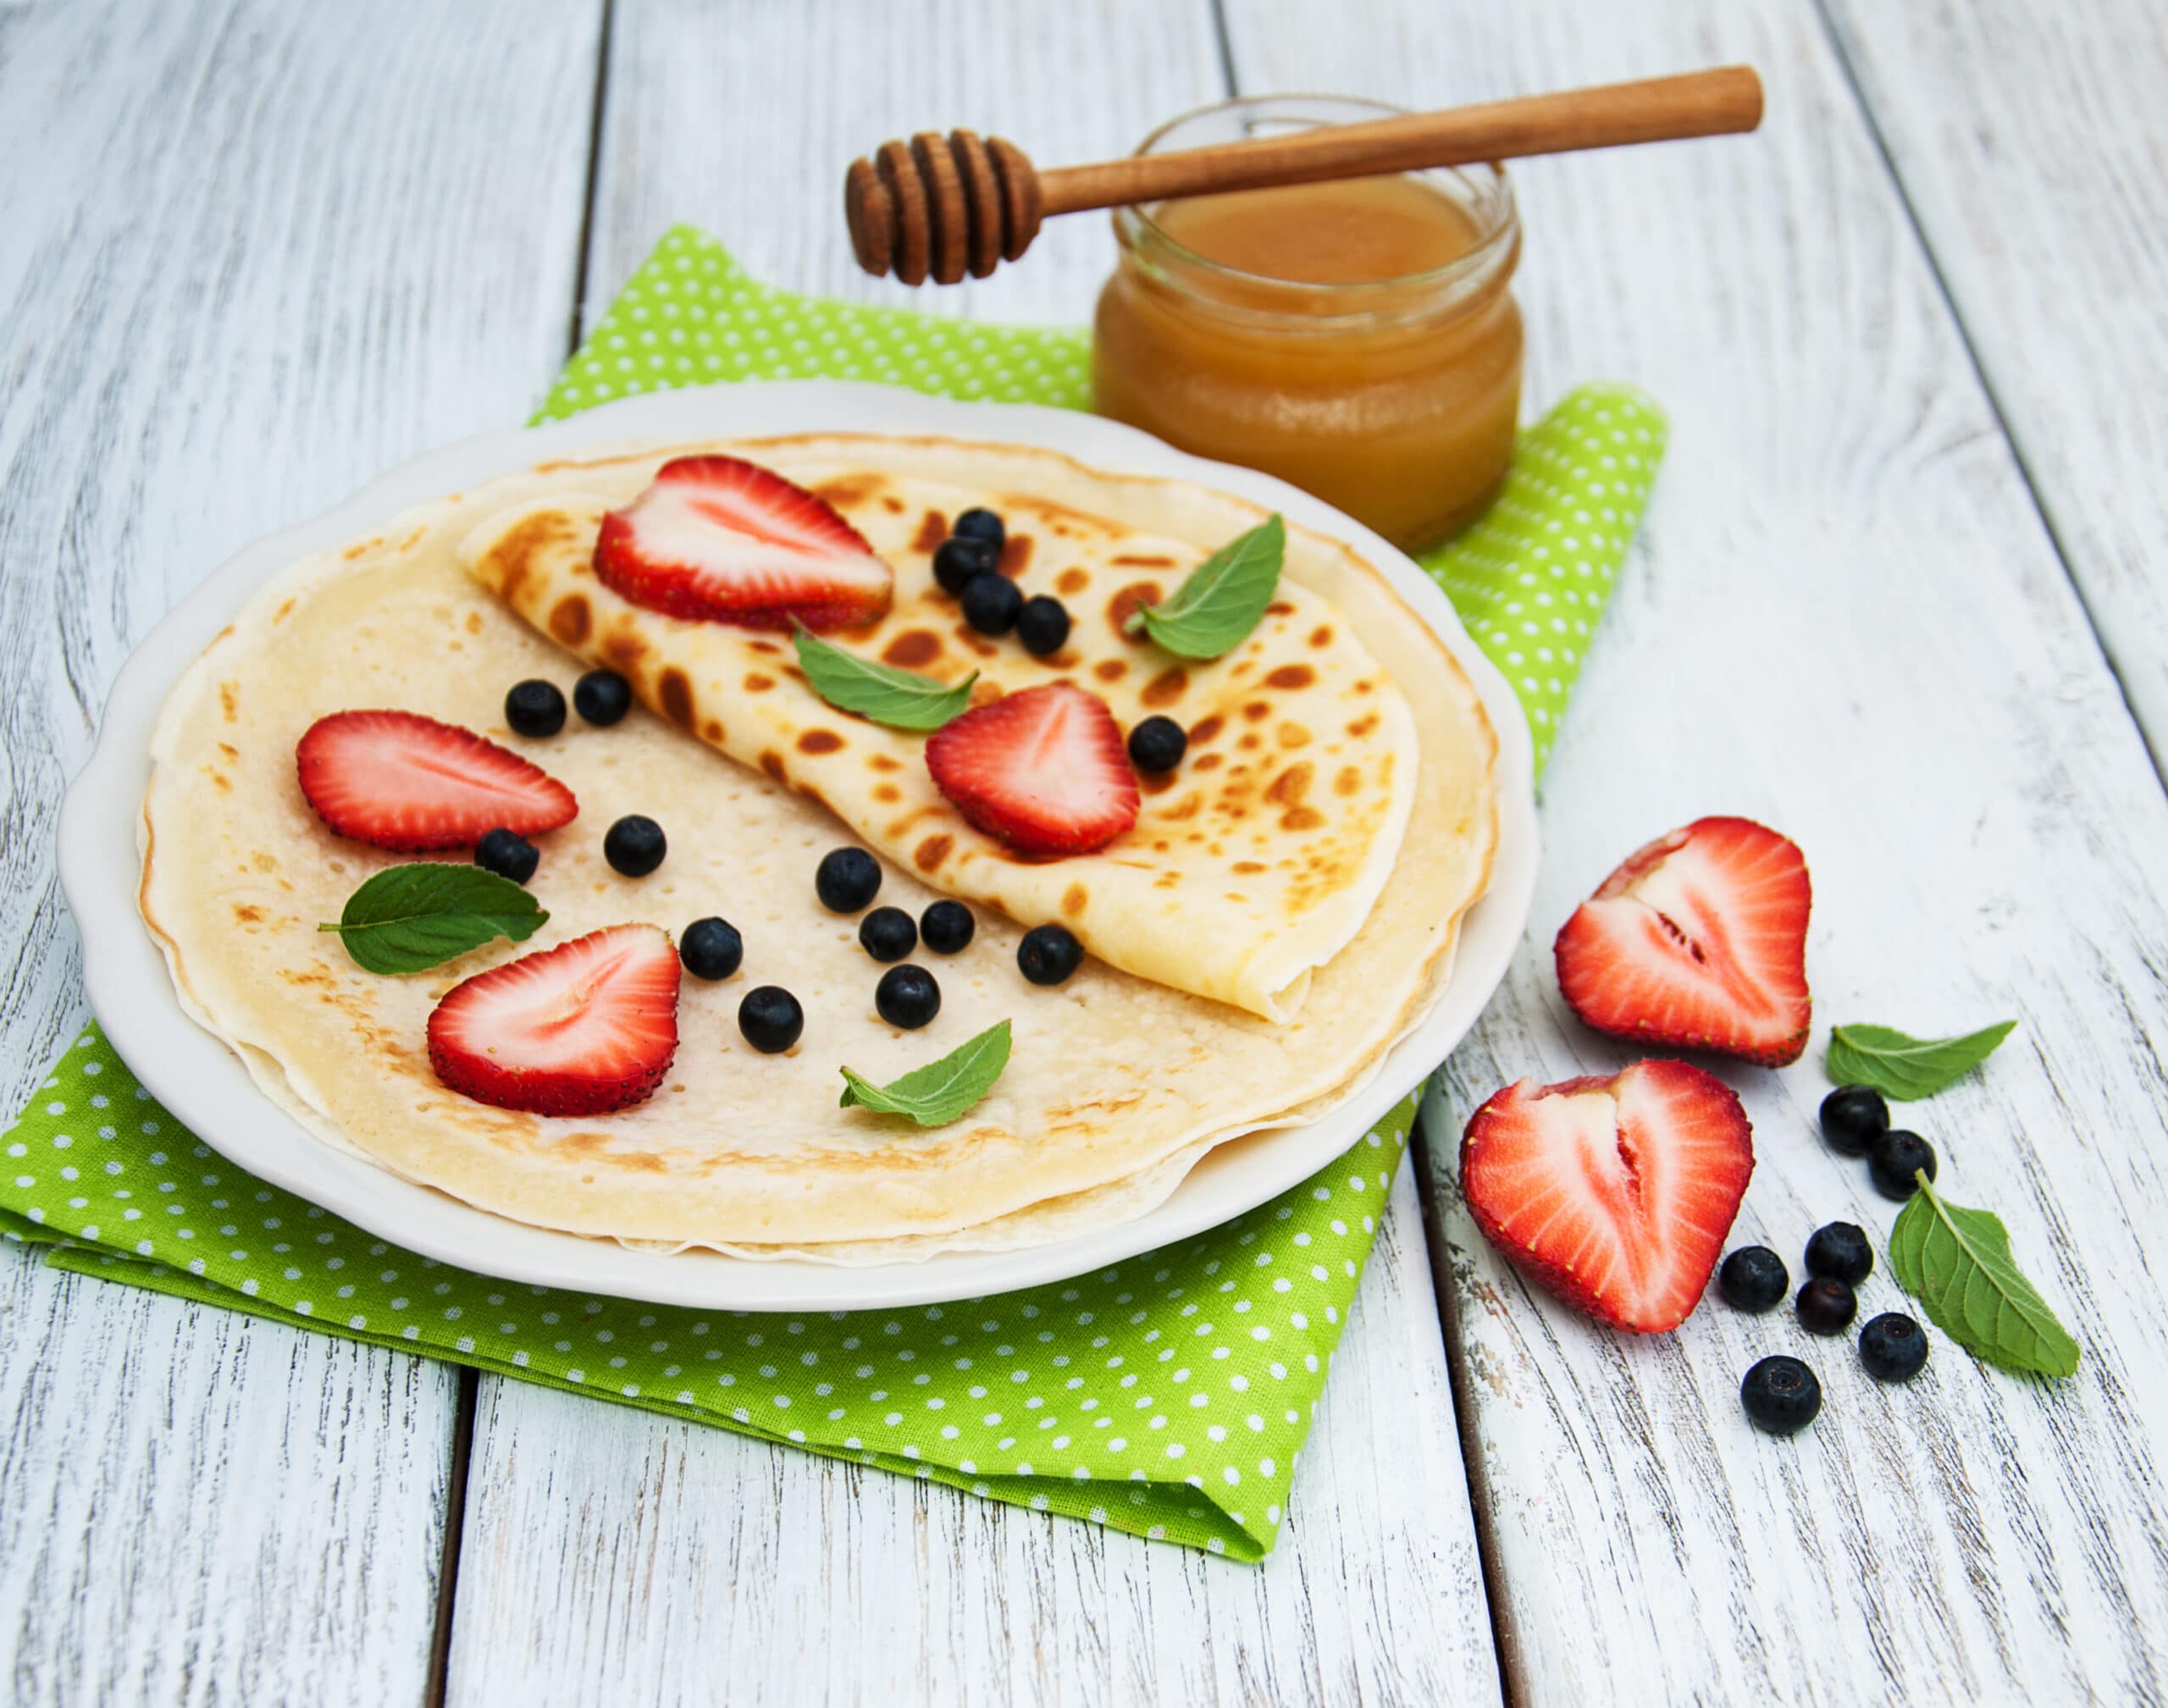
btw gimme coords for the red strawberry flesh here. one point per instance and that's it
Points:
(1045, 770)
(398, 780)
(1698, 941)
(583, 1029)
(721, 539)
(1615, 1194)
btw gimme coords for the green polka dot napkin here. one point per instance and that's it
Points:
(1168, 1396)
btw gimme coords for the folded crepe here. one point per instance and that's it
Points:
(1332, 903)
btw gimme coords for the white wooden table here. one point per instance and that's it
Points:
(1904, 593)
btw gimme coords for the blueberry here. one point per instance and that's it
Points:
(907, 997)
(1840, 1252)
(602, 697)
(1048, 954)
(635, 845)
(1827, 1305)
(1893, 1347)
(534, 707)
(847, 879)
(1894, 1157)
(1043, 625)
(1158, 744)
(508, 855)
(888, 934)
(982, 524)
(1754, 1279)
(991, 604)
(1781, 1396)
(1852, 1116)
(771, 1019)
(957, 563)
(947, 927)
(711, 948)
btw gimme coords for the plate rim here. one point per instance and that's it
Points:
(198, 1077)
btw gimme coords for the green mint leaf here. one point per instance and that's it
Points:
(1908, 1069)
(1957, 1262)
(940, 1092)
(409, 918)
(901, 699)
(1213, 610)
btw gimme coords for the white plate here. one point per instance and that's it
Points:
(204, 1084)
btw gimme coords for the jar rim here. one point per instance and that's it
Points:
(1500, 233)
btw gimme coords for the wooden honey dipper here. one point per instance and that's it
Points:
(940, 207)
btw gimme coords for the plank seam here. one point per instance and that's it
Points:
(594, 177)
(455, 1525)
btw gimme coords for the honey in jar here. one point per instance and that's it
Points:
(1359, 339)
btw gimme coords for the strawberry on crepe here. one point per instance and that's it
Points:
(724, 539)
(1044, 769)
(398, 780)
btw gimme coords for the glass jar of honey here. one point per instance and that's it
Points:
(1359, 339)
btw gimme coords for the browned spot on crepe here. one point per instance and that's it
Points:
(820, 741)
(286, 607)
(1291, 676)
(882, 761)
(1279, 607)
(1145, 562)
(1300, 818)
(1154, 782)
(1289, 787)
(624, 650)
(847, 490)
(1256, 709)
(676, 692)
(1364, 725)
(713, 730)
(1349, 781)
(1293, 735)
(1321, 635)
(1166, 687)
(933, 529)
(771, 763)
(1071, 582)
(932, 852)
(1015, 555)
(228, 700)
(248, 915)
(757, 683)
(1120, 607)
(911, 648)
(887, 793)
(1210, 761)
(1246, 868)
(1111, 669)
(569, 620)
(1206, 728)
(1073, 899)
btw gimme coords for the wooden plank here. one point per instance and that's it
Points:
(1848, 622)
(611, 1550)
(2029, 142)
(255, 254)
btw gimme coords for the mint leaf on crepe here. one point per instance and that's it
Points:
(940, 1092)
(1908, 1069)
(1957, 1262)
(1213, 610)
(901, 699)
(409, 918)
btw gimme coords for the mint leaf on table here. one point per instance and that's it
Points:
(1957, 1262)
(1905, 1068)
(940, 1092)
(901, 699)
(1212, 611)
(409, 918)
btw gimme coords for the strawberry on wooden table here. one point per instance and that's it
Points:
(720, 539)
(1614, 1193)
(398, 780)
(1697, 940)
(1045, 770)
(583, 1029)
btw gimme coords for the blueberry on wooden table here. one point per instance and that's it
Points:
(1158, 743)
(907, 997)
(711, 948)
(982, 524)
(992, 604)
(1893, 1347)
(1043, 625)
(1781, 1396)
(847, 879)
(508, 855)
(947, 927)
(1840, 1252)
(1827, 1305)
(888, 934)
(1753, 1279)
(770, 1018)
(958, 562)
(602, 697)
(1048, 954)
(535, 707)
(634, 845)
(1894, 1157)
(1852, 1117)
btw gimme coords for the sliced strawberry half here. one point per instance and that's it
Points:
(723, 539)
(1044, 769)
(1698, 941)
(398, 780)
(1615, 1194)
(582, 1029)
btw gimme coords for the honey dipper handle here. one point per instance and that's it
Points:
(1657, 109)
